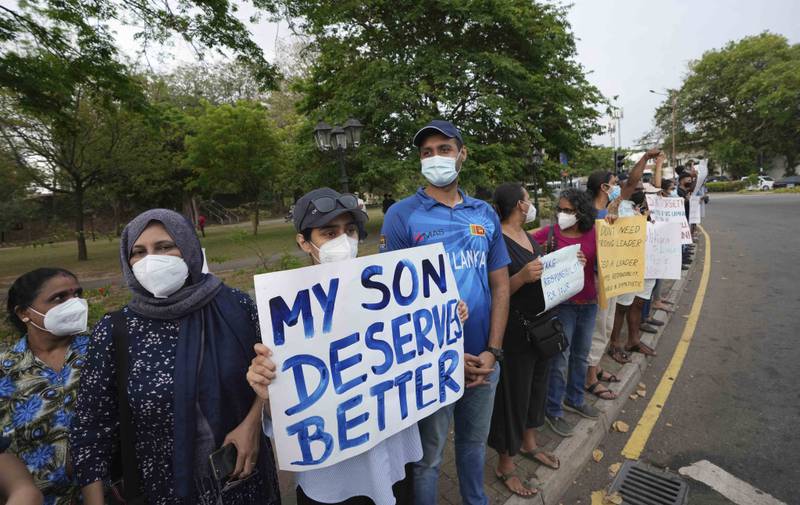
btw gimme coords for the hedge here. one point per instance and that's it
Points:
(725, 186)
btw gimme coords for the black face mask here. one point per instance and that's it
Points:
(638, 197)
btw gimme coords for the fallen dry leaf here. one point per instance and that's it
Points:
(597, 455)
(633, 396)
(642, 385)
(613, 469)
(620, 426)
(613, 499)
(641, 392)
(669, 425)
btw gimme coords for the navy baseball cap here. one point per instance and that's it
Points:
(321, 206)
(439, 126)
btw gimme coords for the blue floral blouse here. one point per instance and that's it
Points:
(36, 411)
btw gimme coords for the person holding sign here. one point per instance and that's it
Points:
(189, 341)
(522, 389)
(328, 225)
(470, 232)
(575, 226)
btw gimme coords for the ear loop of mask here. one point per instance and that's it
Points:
(29, 320)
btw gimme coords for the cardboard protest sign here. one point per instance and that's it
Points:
(364, 349)
(620, 256)
(694, 210)
(670, 210)
(663, 251)
(562, 276)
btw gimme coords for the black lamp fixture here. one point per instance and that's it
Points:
(340, 139)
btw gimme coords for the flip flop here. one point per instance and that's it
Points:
(642, 349)
(608, 378)
(610, 395)
(619, 355)
(504, 478)
(531, 455)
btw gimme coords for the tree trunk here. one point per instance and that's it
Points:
(255, 217)
(80, 234)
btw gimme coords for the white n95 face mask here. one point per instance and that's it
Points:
(530, 215)
(566, 220)
(440, 171)
(341, 248)
(161, 274)
(67, 318)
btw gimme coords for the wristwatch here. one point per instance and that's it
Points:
(497, 353)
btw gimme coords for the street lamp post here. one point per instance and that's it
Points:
(537, 158)
(340, 139)
(674, 106)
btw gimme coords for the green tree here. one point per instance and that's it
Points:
(740, 103)
(592, 158)
(234, 149)
(503, 71)
(15, 207)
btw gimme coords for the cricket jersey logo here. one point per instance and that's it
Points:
(423, 236)
(477, 230)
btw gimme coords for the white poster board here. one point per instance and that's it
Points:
(562, 276)
(364, 348)
(694, 210)
(670, 210)
(662, 256)
(702, 175)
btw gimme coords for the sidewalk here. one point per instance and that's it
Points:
(574, 452)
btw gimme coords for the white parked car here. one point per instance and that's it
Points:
(764, 183)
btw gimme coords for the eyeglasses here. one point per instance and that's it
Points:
(566, 211)
(328, 203)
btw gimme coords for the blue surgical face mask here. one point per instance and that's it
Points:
(614, 192)
(440, 171)
(674, 192)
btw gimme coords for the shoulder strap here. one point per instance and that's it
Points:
(130, 472)
(551, 244)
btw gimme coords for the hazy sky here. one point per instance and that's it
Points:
(627, 46)
(632, 46)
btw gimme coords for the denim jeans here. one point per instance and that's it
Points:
(568, 368)
(473, 415)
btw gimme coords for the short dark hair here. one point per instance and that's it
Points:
(506, 196)
(26, 288)
(665, 183)
(684, 175)
(586, 213)
(596, 180)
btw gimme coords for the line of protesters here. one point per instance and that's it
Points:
(142, 410)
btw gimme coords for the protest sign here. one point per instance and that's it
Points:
(663, 251)
(364, 348)
(670, 210)
(562, 276)
(702, 175)
(620, 256)
(694, 210)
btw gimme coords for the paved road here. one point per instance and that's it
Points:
(736, 401)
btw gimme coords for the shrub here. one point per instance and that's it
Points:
(725, 186)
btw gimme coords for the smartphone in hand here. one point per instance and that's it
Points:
(223, 462)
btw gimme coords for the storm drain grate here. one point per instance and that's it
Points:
(642, 484)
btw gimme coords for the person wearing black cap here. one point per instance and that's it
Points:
(328, 226)
(470, 232)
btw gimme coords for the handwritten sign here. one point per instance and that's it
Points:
(694, 210)
(663, 251)
(670, 210)
(620, 256)
(702, 175)
(562, 276)
(364, 349)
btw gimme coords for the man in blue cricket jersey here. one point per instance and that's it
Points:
(470, 232)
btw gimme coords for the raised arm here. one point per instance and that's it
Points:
(636, 174)
(657, 171)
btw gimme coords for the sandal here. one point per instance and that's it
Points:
(642, 349)
(605, 394)
(606, 376)
(533, 456)
(619, 355)
(505, 477)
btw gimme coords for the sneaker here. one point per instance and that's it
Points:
(654, 322)
(586, 410)
(684, 267)
(648, 328)
(560, 426)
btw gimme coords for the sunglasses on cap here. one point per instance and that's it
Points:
(328, 203)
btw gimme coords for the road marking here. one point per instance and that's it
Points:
(635, 445)
(732, 488)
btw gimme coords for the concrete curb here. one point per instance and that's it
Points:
(576, 451)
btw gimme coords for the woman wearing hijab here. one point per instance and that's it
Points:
(189, 342)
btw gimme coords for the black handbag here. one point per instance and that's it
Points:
(125, 488)
(545, 335)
